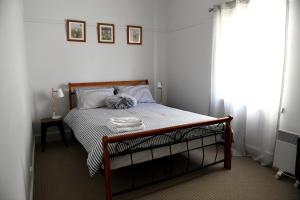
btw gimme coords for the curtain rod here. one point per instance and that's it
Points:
(226, 3)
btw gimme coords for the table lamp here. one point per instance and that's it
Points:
(159, 86)
(54, 95)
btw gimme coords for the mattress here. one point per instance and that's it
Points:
(89, 127)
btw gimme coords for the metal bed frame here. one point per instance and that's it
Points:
(129, 144)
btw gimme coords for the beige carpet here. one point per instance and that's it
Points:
(61, 174)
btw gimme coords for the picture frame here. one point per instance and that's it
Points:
(134, 35)
(106, 33)
(76, 30)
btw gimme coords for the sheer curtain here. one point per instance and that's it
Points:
(247, 67)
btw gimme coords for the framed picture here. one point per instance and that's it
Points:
(76, 30)
(134, 35)
(106, 33)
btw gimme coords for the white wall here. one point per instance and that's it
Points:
(189, 50)
(289, 120)
(160, 47)
(53, 62)
(176, 48)
(15, 120)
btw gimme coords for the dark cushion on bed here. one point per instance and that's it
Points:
(120, 101)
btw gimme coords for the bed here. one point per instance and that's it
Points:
(168, 131)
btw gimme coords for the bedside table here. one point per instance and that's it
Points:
(49, 122)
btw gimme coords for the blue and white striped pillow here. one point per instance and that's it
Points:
(120, 101)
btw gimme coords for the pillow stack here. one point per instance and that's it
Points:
(127, 97)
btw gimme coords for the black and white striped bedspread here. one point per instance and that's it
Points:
(89, 126)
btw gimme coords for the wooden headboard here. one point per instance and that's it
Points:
(96, 84)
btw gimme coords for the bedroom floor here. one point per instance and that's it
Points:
(61, 174)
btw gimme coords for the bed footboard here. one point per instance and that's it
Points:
(176, 134)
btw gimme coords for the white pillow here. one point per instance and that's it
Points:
(92, 98)
(140, 92)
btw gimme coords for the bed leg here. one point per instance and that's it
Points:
(107, 172)
(228, 143)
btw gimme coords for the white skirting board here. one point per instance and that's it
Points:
(32, 171)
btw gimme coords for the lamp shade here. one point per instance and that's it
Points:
(159, 84)
(59, 93)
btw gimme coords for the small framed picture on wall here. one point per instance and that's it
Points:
(106, 33)
(76, 30)
(134, 35)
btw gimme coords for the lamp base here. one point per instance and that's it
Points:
(56, 117)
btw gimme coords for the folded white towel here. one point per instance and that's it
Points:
(125, 124)
(120, 125)
(126, 129)
(125, 119)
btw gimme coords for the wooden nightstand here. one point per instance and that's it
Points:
(48, 122)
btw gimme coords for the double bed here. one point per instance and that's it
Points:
(168, 131)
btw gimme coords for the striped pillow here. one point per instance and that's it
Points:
(120, 101)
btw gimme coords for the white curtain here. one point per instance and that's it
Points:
(247, 67)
